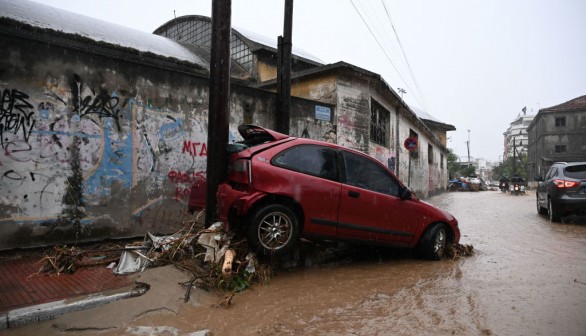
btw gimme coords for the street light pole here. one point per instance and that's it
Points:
(468, 145)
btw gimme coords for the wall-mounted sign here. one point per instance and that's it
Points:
(323, 113)
(411, 144)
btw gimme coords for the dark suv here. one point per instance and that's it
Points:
(562, 191)
(281, 188)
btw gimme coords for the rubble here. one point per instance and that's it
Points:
(208, 254)
(215, 260)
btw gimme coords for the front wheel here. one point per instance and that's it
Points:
(274, 230)
(432, 245)
(540, 210)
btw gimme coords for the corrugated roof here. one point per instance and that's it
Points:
(272, 43)
(46, 17)
(574, 104)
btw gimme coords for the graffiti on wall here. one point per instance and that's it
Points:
(71, 147)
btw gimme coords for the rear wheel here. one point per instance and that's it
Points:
(432, 245)
(274, 230)
(554, 214)
(540, 210)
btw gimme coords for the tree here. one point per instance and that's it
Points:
(506, 168)
(453, 164)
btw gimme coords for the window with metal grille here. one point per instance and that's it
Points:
(379, 124)
(429, 154)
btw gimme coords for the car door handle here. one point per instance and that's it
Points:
(354, 194)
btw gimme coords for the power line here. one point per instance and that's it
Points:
(380, 45)
(371, 25)
(404, 54)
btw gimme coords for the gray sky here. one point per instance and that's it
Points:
(470, 63)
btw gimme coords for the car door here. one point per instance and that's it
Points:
(312, 179)
(370, 206)
(544, 187)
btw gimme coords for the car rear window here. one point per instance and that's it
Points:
(577, 172)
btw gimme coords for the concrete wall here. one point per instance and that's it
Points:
(96, 147)
(352, 92)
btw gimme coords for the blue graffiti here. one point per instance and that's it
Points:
(116, 165)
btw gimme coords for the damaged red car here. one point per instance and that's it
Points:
(281, 188)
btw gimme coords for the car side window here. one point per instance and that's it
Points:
(314, 160)
(576, 172)
(551, 173)
(365, 173)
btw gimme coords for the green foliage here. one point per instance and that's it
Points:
(455, 169)
(509, 167)
(468, 171)
(453, 164)
(239, 280)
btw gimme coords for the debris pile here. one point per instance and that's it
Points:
(209, 254)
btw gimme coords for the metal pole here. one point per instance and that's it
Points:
(514, 156)
(219, 107)
(468, 145)
(409, 173)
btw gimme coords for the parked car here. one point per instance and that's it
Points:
(281, 188)
(562, 191)
(478, 183)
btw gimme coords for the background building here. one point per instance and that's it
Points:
(557, 133)
(516, 138)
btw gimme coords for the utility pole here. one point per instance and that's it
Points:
(468, 145)
(219, 107)
(514, 156)
(284, 71)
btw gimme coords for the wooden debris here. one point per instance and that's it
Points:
(228, 259)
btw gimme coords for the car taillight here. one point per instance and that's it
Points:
(241, 172)
(565, 184)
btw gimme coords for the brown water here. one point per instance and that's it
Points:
(527, 277)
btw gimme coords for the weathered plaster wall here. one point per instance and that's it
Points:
(353, 112)
(266, 71)
(93, 147)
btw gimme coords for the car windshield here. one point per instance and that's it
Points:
(577, 172)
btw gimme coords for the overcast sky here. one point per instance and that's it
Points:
(469, 63)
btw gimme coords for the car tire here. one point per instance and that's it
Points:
(540, 210)
(554, 214)
(432, 245)
(273, 230)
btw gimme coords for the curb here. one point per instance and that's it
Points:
(47, 311)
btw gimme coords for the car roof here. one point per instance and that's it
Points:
(568, 163)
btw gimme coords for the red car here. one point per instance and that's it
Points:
(281, 188)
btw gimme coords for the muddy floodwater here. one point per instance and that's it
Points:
(527, 277)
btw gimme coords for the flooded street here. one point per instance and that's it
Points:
(527, 277)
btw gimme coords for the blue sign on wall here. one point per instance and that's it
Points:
(323, 113)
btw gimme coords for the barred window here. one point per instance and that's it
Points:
(379, 124)
(429, 154)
